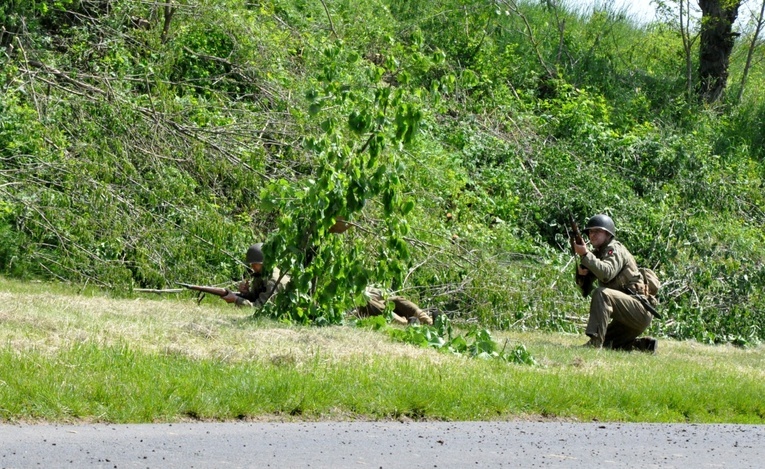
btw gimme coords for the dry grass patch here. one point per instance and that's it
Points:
(181, 327)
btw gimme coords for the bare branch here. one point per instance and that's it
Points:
(169, 12)
(513, 6)
(329, 17)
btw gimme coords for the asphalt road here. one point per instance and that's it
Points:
(384, 445)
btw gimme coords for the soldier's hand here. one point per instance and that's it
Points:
(244, 286)
(582, 270)
(580, 249)
(229, 297)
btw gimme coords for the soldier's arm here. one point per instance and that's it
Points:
(604, 269)
(274, 285)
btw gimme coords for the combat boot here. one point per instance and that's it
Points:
(646, 344)
(594, 342)
(653, 344)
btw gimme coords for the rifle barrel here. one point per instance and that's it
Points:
(158, 291)
(204, 289)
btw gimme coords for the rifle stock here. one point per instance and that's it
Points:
(221, 292)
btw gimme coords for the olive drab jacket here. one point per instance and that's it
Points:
(614, 267)
(262, 288)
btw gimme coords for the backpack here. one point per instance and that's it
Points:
(650, 280)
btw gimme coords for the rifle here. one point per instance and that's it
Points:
(583, 281)
(644, 301)
(221, 292)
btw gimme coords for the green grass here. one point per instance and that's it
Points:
(67, 357)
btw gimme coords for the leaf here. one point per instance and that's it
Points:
(359, 122)
(312, 94)
(387, 199)
(328, 125)
(376, 145)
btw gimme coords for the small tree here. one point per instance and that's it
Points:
(688, 40)
(364, 124)
(759, 23)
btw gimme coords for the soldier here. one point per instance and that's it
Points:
(404, 311)
(618, 278)
(257, 290)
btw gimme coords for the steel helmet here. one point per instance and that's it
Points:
(255, 254)
(601, 221)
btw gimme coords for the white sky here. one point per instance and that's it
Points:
(645, 10)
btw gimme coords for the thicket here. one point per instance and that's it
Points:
(143, 144)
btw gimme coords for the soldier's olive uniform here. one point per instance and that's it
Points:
(616, 271)
(262, 288)
(403, 309)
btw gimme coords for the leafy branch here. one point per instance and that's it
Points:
(355, 159)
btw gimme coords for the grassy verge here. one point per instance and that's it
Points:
(66, 357)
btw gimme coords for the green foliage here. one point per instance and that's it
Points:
(139, 148)
(203, 59)
(475, 343)
(15, 13)
(11, 243)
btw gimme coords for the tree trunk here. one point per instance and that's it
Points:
(717, 38)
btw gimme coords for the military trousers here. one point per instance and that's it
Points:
(616, 318)
(403, 309)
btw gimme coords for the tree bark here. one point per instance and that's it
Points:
(717, 39)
